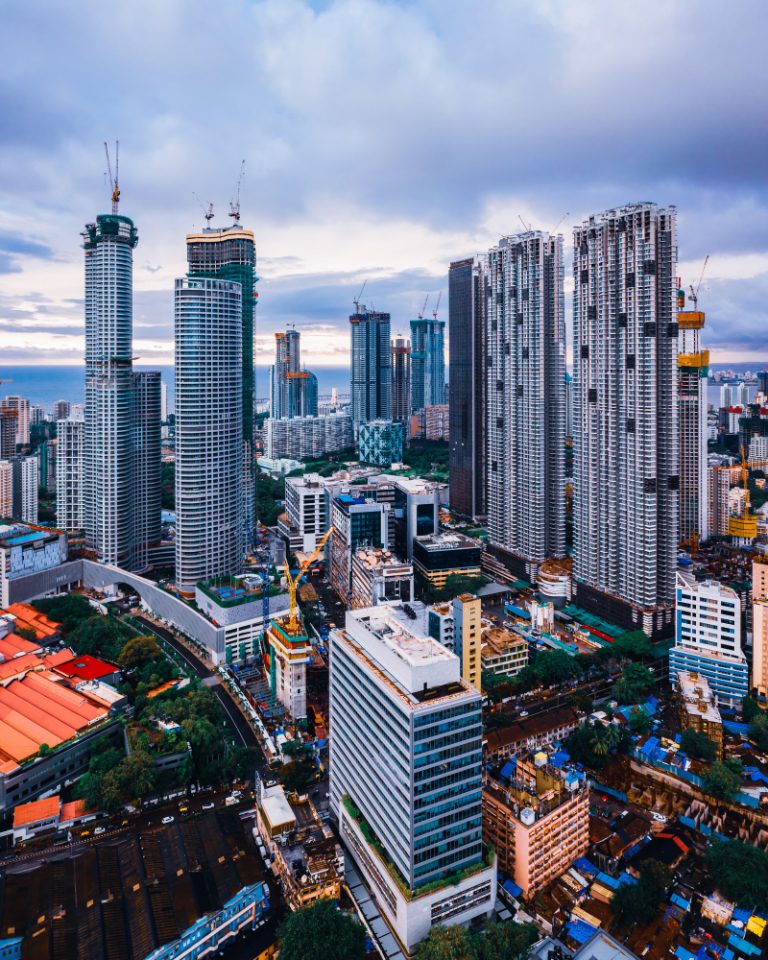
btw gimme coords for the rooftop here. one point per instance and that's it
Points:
(27, 813)
(697, 697)
(87, 667)
(447, 541)
(496, 641)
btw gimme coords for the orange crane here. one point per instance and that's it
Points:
(293, 583)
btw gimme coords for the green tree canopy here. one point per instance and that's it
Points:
(740, 872)
(750, 709)
(758, 731)
(632, 645)
(496, 941)
(635, 903)
(321, 932)
(635, 683)
(139, 651)
(723, 779)
(698, 745)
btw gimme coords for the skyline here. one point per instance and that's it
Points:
(349, 178)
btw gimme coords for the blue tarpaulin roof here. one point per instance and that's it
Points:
(608, 881)
(732, 727)
(680, 902)
(508, 769)
(580, 930)
(740, 914)
(684, 954)
(744, 946)
(512, 888)
(560, 758)
(585, 866)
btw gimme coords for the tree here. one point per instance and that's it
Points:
(758, 731)
(640, 721)
(635, 903)
(323, 931)
(447, 943)
(297, 775)
(723, 779)
(139, 651)
(740, 872)
(555, 666)
(635, 682)
(698, 745)
(137, 775)
(592, 744)
(632, 645)
(507, 941)
(750, 709)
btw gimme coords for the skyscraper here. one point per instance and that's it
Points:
(522, 286)
(21, 406)
(26, 477)
(145, 510)
(8, 417)
(466, 390)
(427, 362)
(406, 767)
(230, 254)
(371, 367)
(108, 245)
(401, 379)
(61, 410)
(209, 431)
(69, 475)
(626, 466)
(692, 380)
(293, 390)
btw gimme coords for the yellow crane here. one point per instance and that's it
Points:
(293, 582)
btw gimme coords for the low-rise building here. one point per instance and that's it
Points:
(306, 856)
(441, 555)
(25, 552)
(536, 817)
(235, 604)
(378, 576)
(698, 709)
(531, 733)
(503, 652)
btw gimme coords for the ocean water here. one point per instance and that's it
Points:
(44, 384)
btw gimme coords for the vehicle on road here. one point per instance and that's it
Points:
(208, 806)
(99, 830)
(167, 820)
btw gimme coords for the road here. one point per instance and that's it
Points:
(237, 722)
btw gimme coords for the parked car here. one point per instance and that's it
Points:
(167, 820)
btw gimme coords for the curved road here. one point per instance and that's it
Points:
(236, 721)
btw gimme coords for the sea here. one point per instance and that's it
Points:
(44, 384)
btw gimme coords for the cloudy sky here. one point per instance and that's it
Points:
(381, 139)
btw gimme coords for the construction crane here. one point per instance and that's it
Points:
(234, 205)
(359, 297)
(437, 305)
(424, 308)
(207, 210)
(526, 226)
(113, 181)
(560, 221)
(695, 291)
(293, 582)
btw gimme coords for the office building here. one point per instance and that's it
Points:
(379, 577)
(522, 282)
(230, 254)
(8, 417)
(437, 422)
(708, 637)
(61, 410)
(692, 381)
(371, 363)
(107, 467)
(293, 391)
(46, 452)
(467, 637)
(146, 466)
(210, 518)
(427, 362)
(401, 379)
(234, 605)
(394, 695)
(23, 418)
(536, 817)
(503, 652)
(26, 477)
(759, 682)
(466, 390)
(306, 437)
(697, 707)
(381, 442)
(441, 555)
(626, 463)
(416, 512)
(357, 522)
(69, 475)
(306, 511)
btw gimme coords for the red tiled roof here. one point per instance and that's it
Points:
(36, 811)
(11, 645)
(86, 667)
(27, 616)
(72, 810)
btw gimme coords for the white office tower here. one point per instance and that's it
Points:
(209, 460)
(522, 283)
(692, 380)
(26, 477)
(108, 246)
(23, 413)
(69, 475)
(727, 397)
(626, 469)
(406, 768)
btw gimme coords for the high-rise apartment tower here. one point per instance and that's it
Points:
(401, 379)
(427, 362)
(371, 367)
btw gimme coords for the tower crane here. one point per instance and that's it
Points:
(234, 205)
(560, 221)
(437, 305)
(293, 582)
(424, 308)
(113, 181)
(359, 297)
(207, 210)
(695, 291)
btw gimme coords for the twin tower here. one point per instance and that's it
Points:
(214, 311)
